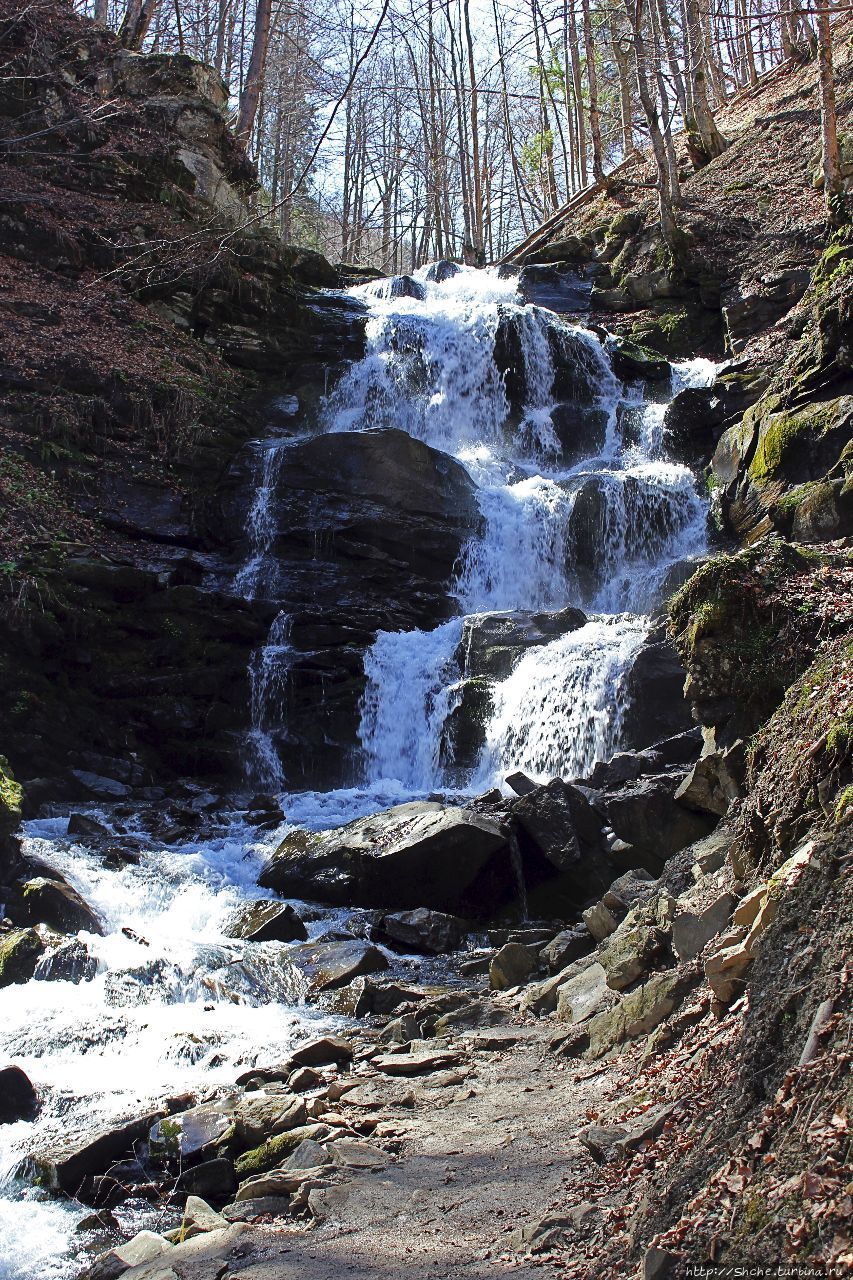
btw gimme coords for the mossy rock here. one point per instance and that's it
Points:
(19, 953)
(11, 798)
(679, 331)
(632, 362)
(275, 1150)
(799, 440)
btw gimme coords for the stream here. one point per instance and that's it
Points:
(152, 1018)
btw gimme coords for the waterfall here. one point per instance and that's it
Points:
(580, 505)
(269, 664)
(268, 670)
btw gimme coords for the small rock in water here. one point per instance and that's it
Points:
(86, 828)
(267, 920)
(18, 1098)
(52, 902)
(69, 962)
(430, 932)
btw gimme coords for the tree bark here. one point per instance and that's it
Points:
(135, 24)
(833, 185)
(705, 142)
(592, 80)
(255, 76)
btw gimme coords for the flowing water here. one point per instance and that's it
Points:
(164, 1012)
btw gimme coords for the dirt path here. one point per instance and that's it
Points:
(486, 1151)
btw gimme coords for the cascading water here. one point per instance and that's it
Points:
(268, 666)
(600, 532)
(530, 406)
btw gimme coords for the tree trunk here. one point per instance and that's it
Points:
(477, 192)
(667, 196)
(254, 79)
(592, 80)
(135, 24)
(705, 142)
(833, 186)
(102, 11)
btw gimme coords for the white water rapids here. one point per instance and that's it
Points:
(154, 1020)
(431, 368)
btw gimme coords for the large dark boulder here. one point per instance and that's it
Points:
(655, 703)
(560, 842)
(52, 901)
(646, 815)
(417, 854)
(693, 423)
(18, 1098)
(368, 526)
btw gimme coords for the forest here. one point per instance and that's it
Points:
(435, 130)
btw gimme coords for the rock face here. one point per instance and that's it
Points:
(267, 921)
(417, 854)
(368, 528)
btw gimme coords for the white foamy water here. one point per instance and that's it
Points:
(601, 533)
(164, 1015)
(563, 702)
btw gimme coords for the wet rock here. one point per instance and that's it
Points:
(520, 783)
(52, 902)
(267, 921)
(18, 1098)
(325, 1051)
(492, 643)
(19, 954)
(567, 946)
(512, 965)
(625, 766)
(442, 270)
(69, 962)
(640, 1011)
(194, 1133)
(430, 932)
(654, 692)
(693, 422)
(631, 362)
(84, 828)
(584, 995)
(326, 966)
(370, 996)
(67, 1168)
(100, 787)
(417, 854)
(213, 1179)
